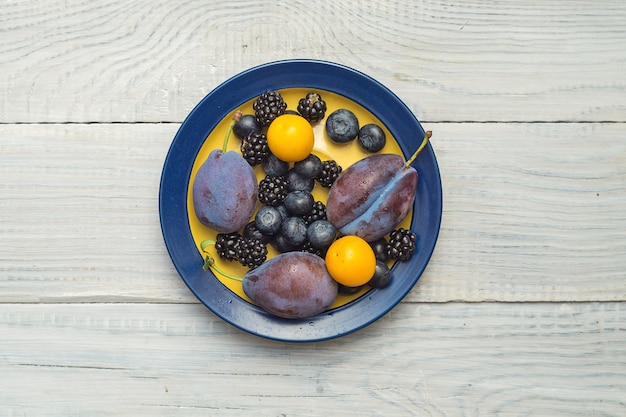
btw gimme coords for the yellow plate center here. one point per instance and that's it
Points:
(344, 154)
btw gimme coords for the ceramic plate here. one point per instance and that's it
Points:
(190, 143)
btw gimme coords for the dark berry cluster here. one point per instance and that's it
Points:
(318, 212)
(401, 244)
(268, 106)
(254, 148)
(251, 129)
(312, 107)
(249, 252)
(330, 172)
(226, 245)
(290, 218)
(273, 190)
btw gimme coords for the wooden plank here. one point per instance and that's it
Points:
(475, 61)
(532, 212)
(80, 214)
(422, 359)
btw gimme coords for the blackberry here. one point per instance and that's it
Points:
(254, 148)
(273, 189)
(312, 107)
(308, 247)
(251, 252)
(401, 244)
(268, 106)
(330, 172)
(318, 212)
(226, 245)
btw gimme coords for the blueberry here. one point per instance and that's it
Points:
(299, 203)
(342, 126)
(274, 166)
(294, 231)
(309, 167)
(382, 276)
(246, 125)
(268, 220)
(372, 138)
(251, 231)
(284, 213)
(299, 183)
(281, 245)
(321, 234)
(380, 249)
(345, 290)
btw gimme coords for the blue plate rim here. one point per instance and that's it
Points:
(222, 101)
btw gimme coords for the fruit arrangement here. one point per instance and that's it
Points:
(305, 230)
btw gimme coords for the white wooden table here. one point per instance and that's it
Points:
(521, 311)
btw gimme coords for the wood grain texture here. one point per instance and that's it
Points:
(532, 212)
(521, 311)
(473, 61)
(422, 359)
(80, 219)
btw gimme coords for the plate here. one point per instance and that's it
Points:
(220, 103)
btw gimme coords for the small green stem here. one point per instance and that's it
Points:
(205, 244)
(230, 129)
(209, 261)
(427, 136)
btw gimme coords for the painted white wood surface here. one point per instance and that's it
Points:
(520, 312)
(146, 60)
(422, 359)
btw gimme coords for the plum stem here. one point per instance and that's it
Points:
(230, 129)
(209, 262)
(427, 136)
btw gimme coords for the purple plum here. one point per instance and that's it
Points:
(225, 191)
(372, 197)
(291, 285)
